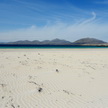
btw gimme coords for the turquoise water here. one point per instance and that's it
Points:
(48, 47)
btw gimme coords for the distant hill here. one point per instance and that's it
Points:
(57, 42)
(88, 41)
(45, 42)
(83, 41)
(24, 42)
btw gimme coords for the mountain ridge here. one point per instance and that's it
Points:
(82, 41)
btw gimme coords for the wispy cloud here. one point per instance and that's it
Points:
(34, 6)
(90, 19)
(42, 12)
(42, 21)
(70, 32)
(51, 11)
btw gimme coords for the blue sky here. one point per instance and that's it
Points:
(49, 19)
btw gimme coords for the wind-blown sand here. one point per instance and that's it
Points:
(53, 78)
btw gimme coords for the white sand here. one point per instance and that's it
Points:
(81, 80)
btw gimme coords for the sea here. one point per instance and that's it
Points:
(48, 46)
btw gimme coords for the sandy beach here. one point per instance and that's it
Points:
(53, 78)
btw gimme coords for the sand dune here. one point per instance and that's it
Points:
(53, 78)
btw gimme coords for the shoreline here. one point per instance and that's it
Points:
(53, 49)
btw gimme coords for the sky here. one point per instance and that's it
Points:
(50, 19)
